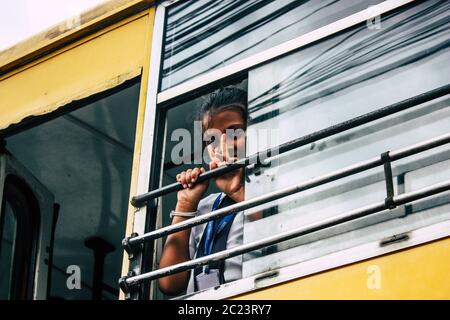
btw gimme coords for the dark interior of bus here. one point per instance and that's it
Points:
(83, 158)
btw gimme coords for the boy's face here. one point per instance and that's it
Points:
(231, 123)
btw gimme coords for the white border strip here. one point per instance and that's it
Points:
(145, 158)
(338, 259)
(281, 49)
(169, 3)
(150, 103)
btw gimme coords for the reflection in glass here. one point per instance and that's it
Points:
(202, 35)
(335, 80)
(181, 119)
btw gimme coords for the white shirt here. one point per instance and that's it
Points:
(233, 266)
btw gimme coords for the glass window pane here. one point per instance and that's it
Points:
(203, 35)
(335, 80)
(8, 233)
(185, 148)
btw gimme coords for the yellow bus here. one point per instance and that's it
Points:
(347, 159)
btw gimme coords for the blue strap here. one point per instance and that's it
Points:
(213, 230)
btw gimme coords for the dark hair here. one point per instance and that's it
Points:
(223, 99)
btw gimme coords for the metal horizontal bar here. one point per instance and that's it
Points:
(287, 235)
(308, 184)
(142, 199)
(280, 50)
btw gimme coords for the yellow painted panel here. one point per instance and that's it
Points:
(103, 62)
(63, 33)
(138, 139)
(420, 272)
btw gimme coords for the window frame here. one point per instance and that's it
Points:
(149, 217)
(26, 235)
(38, 274)
(366, 251)
(171, 94)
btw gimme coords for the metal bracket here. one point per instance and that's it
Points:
(153, 203)
(394, 239)
(389, 200)
(256, 168)
(127, 289)
(131, 250)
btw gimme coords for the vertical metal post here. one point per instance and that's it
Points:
(389, 200)
(101, 248)
(143, 217)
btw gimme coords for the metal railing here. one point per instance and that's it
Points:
(143, 199)
(287, 235)
(308, 184)
(135, 242)
(389, 202)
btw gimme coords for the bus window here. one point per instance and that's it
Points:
(185, 148)
(340, 78)
(204, 35)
